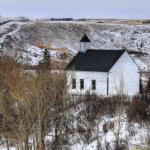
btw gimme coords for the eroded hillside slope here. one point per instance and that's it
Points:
(26, 41)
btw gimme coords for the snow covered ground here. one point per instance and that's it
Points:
(132, 135)
(4, 148)
(33, 55)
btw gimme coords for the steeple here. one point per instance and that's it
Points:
(85, 39)
(84, 43)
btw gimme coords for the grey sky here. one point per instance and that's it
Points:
(76, 8)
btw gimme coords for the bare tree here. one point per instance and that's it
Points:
(31, 104)
(120, 98)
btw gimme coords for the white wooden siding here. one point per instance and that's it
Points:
(124, 71)
(101, 82)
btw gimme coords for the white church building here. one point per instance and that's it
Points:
(104, 72)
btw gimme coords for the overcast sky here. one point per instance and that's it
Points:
(76, 8)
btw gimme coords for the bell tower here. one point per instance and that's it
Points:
(84, 43)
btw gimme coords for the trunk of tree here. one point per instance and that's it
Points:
(34, 143)
(7, 145)
(41, 137)
(17, 147)
(56, 136)
(98, 141)
(37, 142)
(26, 143)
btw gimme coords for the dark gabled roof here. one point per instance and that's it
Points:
(85, 39)
(95, 60)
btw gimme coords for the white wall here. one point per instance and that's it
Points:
(101, 82)
(124, 74)
(84, 46)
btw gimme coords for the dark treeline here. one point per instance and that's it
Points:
(61, 19)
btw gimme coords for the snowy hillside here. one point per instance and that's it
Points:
(18, 39)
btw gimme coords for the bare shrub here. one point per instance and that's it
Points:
(91, 110)
(86, 118)
(137, 110)
(31, 105)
